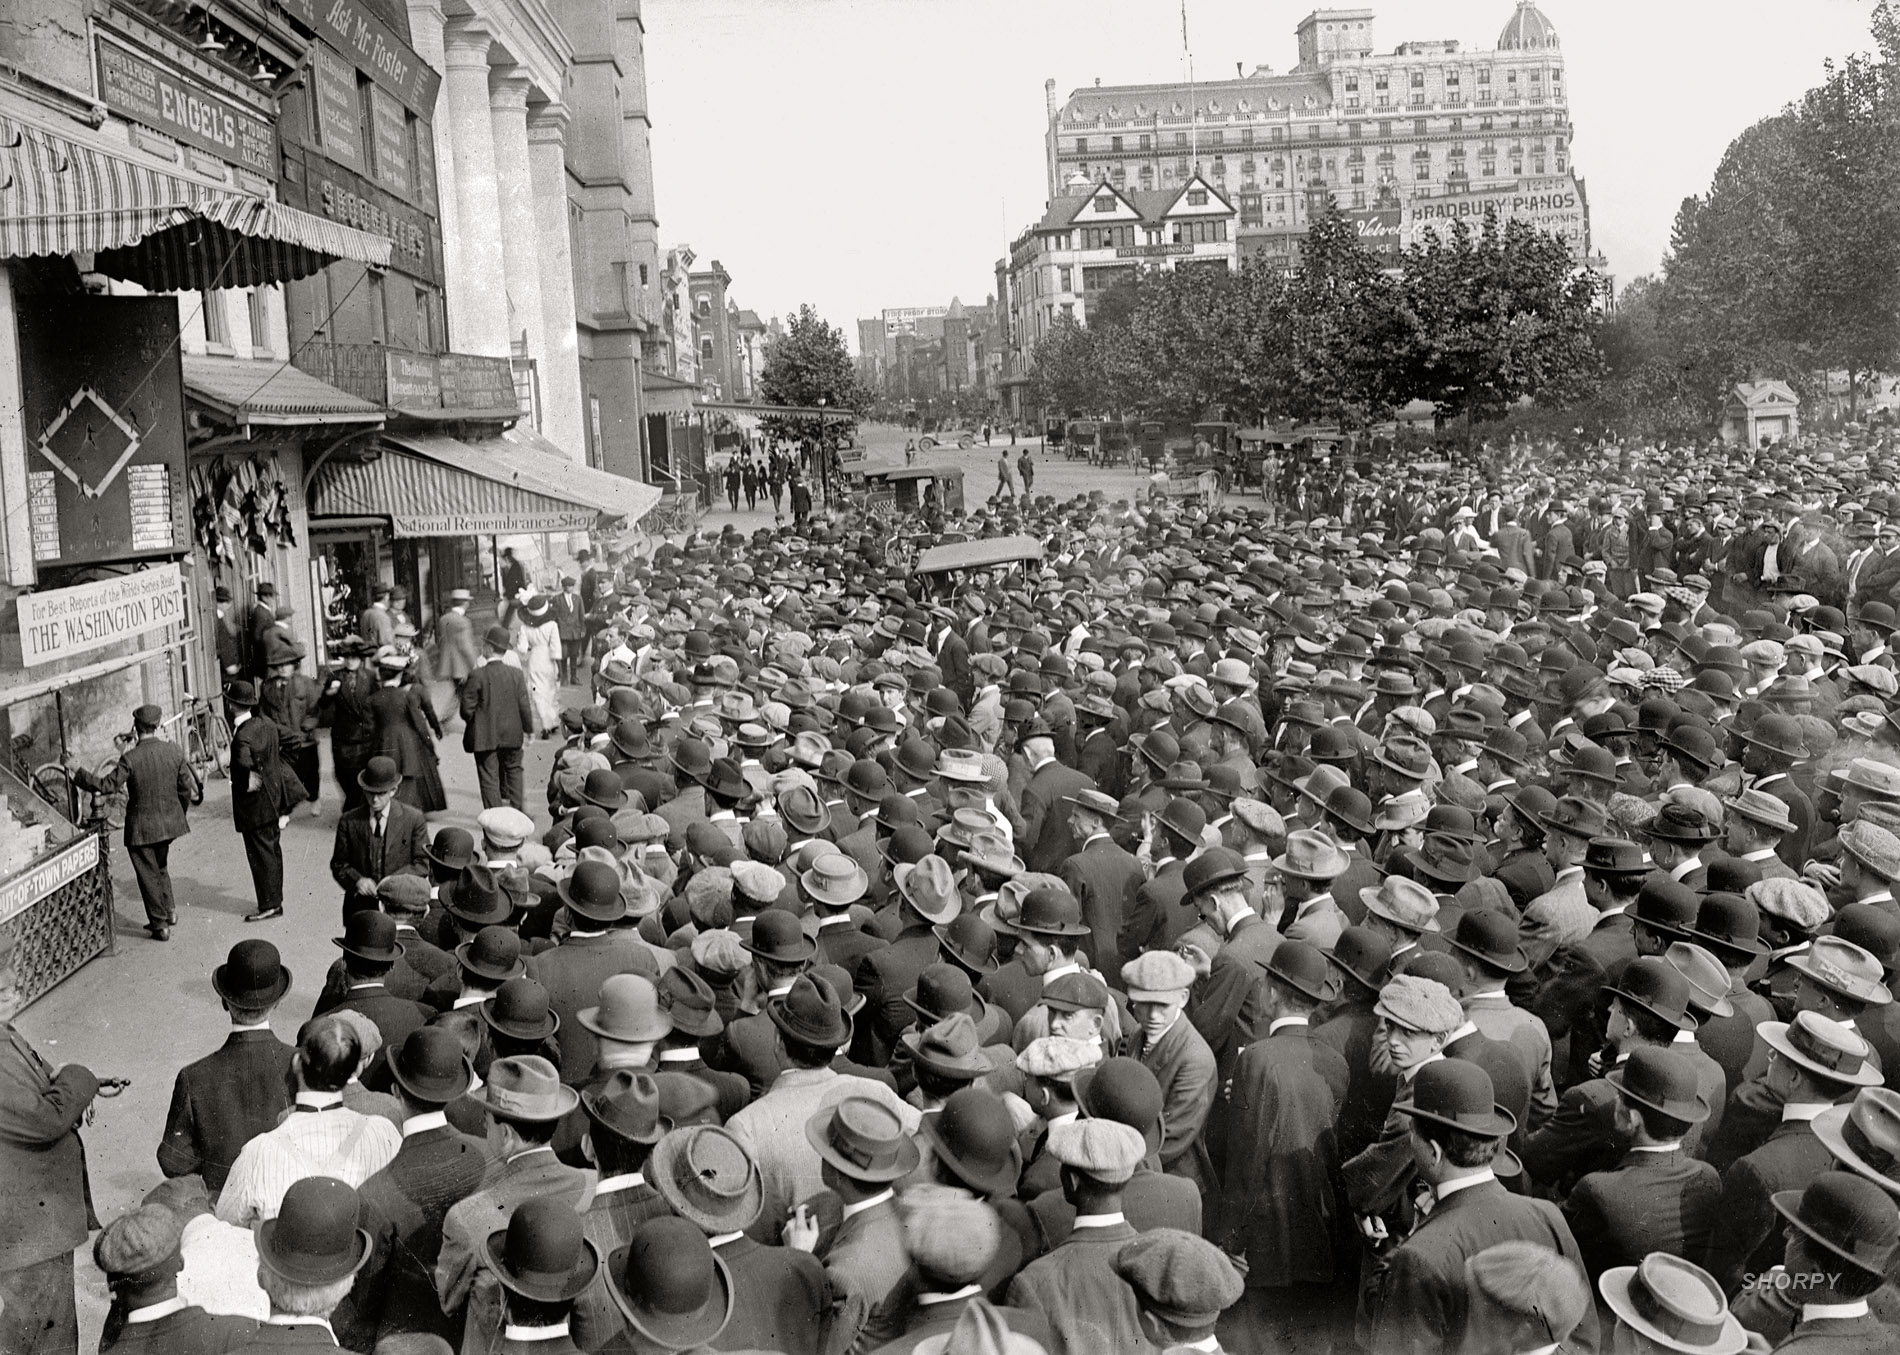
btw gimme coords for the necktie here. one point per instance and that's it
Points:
(376, 843)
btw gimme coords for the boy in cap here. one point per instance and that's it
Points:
(139, 1253)
(1182, 1284)
(951, 1237)
(1088, 1306)
(1168, 1045)
(1521, 1297)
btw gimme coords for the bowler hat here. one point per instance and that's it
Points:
(941, 990)
(1050, 910)
(252, 976)
(1658, 987)
(1212, 868)
(1848, 1215)
(370, 936)
(972, 1134)
(1665, 1081)
(1668, 906)
(379, 776)
(314, 1240)
(1364, 956)
(519, 1009)
(494, 954)
(542, 1253)
(452, 848)
(430, 1066)
(1729, 925)
(242, 693)
(593, 892)
(1491, 938)
(670, 1285)
(970, 941)
(778, 937)
(1125, 1090)
(1457, 1094)
(1302, 968)
(707, 1177)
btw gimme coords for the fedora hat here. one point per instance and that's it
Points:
(1848, 1215)
(1658, 987)
(1673, 1304)
(969, 941)
(863, 1139)
(930, 888)
(314, 1240)
(1402, 902)
(1707, 976)
(811, 1013)
(1663, 1080)
(1350, 806)
(252, 976)
(1445, 858)
(1844, 968)
(1311, 855)
(1183, 819)
(690, 1001)
(1364, 956)
(989, 852)
(1407, 757)
(1458, 1094)
(972, 1134)
(1492, 939)
(519, 1009)
(708, 1178)
(949, 1047)
(628, 1011)
(430, 1066)
(542, 1254)
(593, 892)
(835, 880)
(626, 1105)
(1825, 1048)
(1616, 856)
(379, 776)
(1865, 1135)
(525, 1087)
(1758, 806)
(670, 1285)
(1574, 818)
(1302, 968)
(942, 990)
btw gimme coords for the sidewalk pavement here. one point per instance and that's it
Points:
(147, 1009)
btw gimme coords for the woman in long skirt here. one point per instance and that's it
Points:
(540, 648)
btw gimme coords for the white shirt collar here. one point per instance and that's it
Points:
(927, 1298)
(1802, 1110)
(1241, 914)
(319, 1099)
(261, 1025)
(511, 1332)
(152, 1312)
(1684, 1037)
(1059, 971)
(288, 1320)
(1760, 854)
(1685, 868)
(1287, 1021)
(863, 1205)
(1812, 1312)
(679, 1055)
(614, 1183)
(1211, 1345)
(721, 1239)
(1100, 1220)
(423, 1123)
(1450, 1188)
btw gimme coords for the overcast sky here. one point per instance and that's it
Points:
(860, 154)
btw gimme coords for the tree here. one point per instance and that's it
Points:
(1342, 318)
(1495, 317)
(1065, 376)
(807, 368)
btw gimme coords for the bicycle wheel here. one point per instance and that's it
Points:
(216, 736)
(52, 784)
(110, 807)
(197, 756)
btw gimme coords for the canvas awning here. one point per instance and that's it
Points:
(427, 485)
(60, 194)
(663, 394)
(268, 393)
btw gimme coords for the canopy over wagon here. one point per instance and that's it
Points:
(983, 553)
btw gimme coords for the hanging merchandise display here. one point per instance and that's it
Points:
(240, 502)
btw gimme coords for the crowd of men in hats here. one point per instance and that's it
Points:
(1446, 925)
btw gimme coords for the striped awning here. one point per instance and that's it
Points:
(168, 233)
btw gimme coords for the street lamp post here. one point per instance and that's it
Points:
(824, 461)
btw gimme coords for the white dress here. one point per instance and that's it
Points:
(540, 648)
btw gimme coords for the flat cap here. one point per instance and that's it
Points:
(1420, 1004)
(1104, 1149)
(504, 825)
(1057, 1056)
(1528, 1278)
(1157, 976)
(138, 1241)
(719, 952)
(1182, 1279)
(1790, 900)
(404, 893)
(756, 881)
(950, 1234)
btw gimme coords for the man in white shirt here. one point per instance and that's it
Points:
(320, 1137)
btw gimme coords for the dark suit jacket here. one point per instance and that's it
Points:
(403, 1206)
(257, 771)
(1184, 1066)
(1866, 1335)
(1277, 1198)
(1349, 1028)
(1224, 1005)
(1730, 1040)
(1088, 1306)
(780, 1298)
(1749, 1238)
(222, 1102)
(1416, 1298)
(1156, 917)
(189, 1331)
(45, 1198)
(355, 856)
(295, 1340)
(393, 1016)
(1650, 1202)
(159, 789)
(1012, 988)
(608, 1224)
(883, 977)
(496, 709)
(572, 972)
(1103, 879)
(1048, 841)
(1151, 1199)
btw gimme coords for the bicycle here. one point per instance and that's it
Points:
(206, 738)
(48, 780)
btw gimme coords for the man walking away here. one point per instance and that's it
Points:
(455, 641)
(260, 800)
(497, 713)
(160, 788)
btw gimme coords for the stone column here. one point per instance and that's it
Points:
(477, 288)
(514, 197)
(425, 35)
(563, 419)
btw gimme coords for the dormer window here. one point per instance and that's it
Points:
(1105, 202)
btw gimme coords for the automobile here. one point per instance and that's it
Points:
(944, 437)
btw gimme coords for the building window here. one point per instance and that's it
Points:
(1484, 75)
(1081, 145)
(217, 323)
(1359, 197)
(1488, 168)
(1418, 79)
(643, 275)
(260, 319)
(1352, 84)
(1352, 101)
(1510, 77)
(704, 306)
(1145, 143)
(1358, 173)
(1277, 134)
(1457, 124)
(1378, 81)
(1246, 136)
(1418, 126)
(1197, 197)
(1064, 279)
(1452, 78)
(1385, 131)
(1217, 137)
(706, 351)
(1312, 132)
(1385, 100)
(1105, 202)
(1355, 130)
(1115, 144)
(425, 321)
(1537, 165)
(378, 308)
